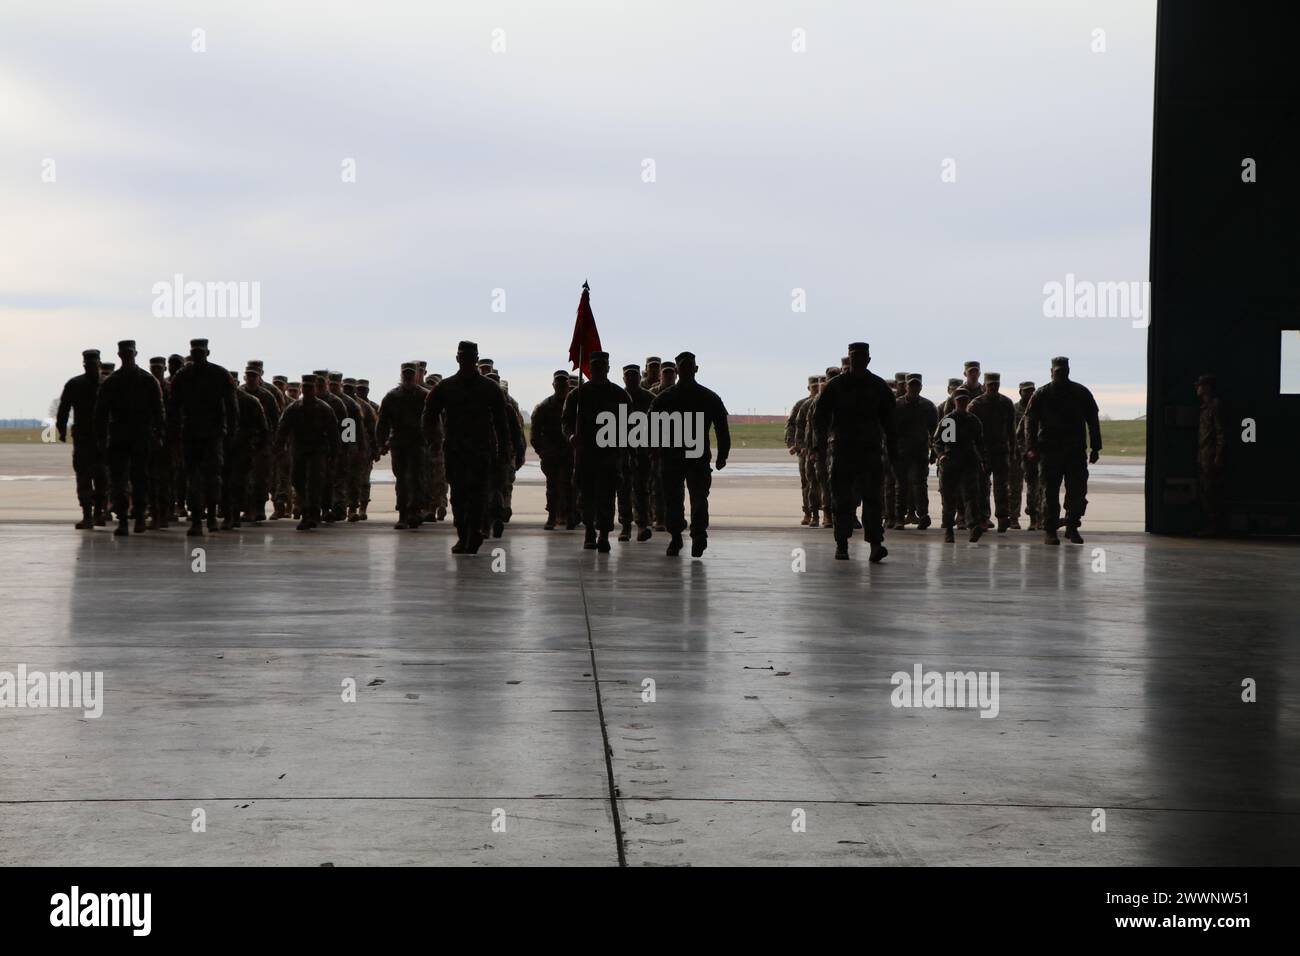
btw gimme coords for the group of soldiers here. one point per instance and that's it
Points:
(980, 440)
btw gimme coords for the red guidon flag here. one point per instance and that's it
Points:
(585, 337)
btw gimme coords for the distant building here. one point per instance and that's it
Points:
(21, 423)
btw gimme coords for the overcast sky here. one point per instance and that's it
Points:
(524, 170)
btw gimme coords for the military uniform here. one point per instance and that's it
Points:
(959, 441)
(853, 421)
(1024, 473)
(997, 415)
(820, 496)
(634, 488)
(203, 409)
(890, 479)
(261, 467)
(78, 397)
(312, 428)
(794, 442)
(129, 423)
(362, 395)
(162, 492)
(547, 438)
(510, 461)
(251, 438)
(599, 470)
(474, 433)
(400, 431)
(334, 488)
(682, 475)
(1062, 421)
(915, 419)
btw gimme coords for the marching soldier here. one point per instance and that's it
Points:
(959, 442)
(312, 428)
(915, 419)
(547, 438)
(399, 432)
(203, 408)
(1063, 421)
(597, 467)
(78, 397)
(634, 489)
(1024, 474)
(251, 437)
(997, 415)
(794, 442)
(128, 425)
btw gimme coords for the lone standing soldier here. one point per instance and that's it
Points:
(959, 441)
(129, 426)
(476, 433)
(547, 438)
(915, 419)
(399, 432)
(997, 415)
(598, 468)
(794, 442)
(79, 394)
(1024, 475)
(1211, 444)
(309, 425)
(1063, 422)
(853, 427)
(682, 474)
(203, 408)
(634, 490)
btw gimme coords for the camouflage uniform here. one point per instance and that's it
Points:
(250, 438)
(78, 397)
(361, 392)
(129, 423)
(1024, 473)
(682, 475)
(997, 415)
(959, 436)
(598, 470)
(260, 472)
(915, 419)
(634, 488)
(333, 488)
(547, 438)
(399, 430)
(311, 427)
(794, 441)
(475, 431)
(204, 410)
(819, 496)
(363, 459)
(508, 463)
(1062, 420)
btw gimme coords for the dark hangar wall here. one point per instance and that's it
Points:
(1225, 257)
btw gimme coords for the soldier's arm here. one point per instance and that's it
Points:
(516, 428)
(1032, 413)
(500, 419)
(232, 405)
(65, 406)
(887, 408)
(1094, 423)
(819, 423)
(538, 425)
(385, 425)
(102, 413)
(790, 425)
(431, 417)
(569, 417)
(157, 415)
(722, 429)
(977, 430)
(261, 428)
(283, 427)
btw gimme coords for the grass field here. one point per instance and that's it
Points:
(1117, 438)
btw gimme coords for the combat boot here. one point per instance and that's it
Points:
(141, 524)
(626, 533)
(498, 528)
(1072, 534)
(602, 542)
(878, 552)
(212, 520)
(123, 527)
(948, 536)
(1014, 524)
(1049, 536)
(459, 546)
(841, 550)
(1003, 524)
(813, 521)
(698, 543)
(87, 521)
(440, 514)
(826, 520)
(195, 529)
(354, 515)
(305, 524)
(923, 522)
(550, 523)
(675, 545)
(806, 518)
(571, 524)
(589, 540)
(643, 534)
(474, 543)
(101, 518)
(976, 532)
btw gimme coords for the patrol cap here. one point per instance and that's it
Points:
(560, 374)
(685, 357)
(821, 380)
(409, 366)
(436, 377)
(158, 361)
(282, 379)
(199, 345)
(108, 366)
(832, 370)
(467, 348)
(363, 383)
(954, 382)
(321, 373)
(961, 393)
(599, 356)
(814, 379)
(992, 377)
(256, 363)
(421, 363)
(255, 369)
(859, 347)
(336, 376)
(349, 381)
(632, 367)
(1025, 385)
(914, 377)
(671, 365)
(573, 380)
(970, 365)
(653, 360)
(293, 385)
(90, 353)
(1060, 362)
(309, 379)
(126, 345)
(900, 376)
